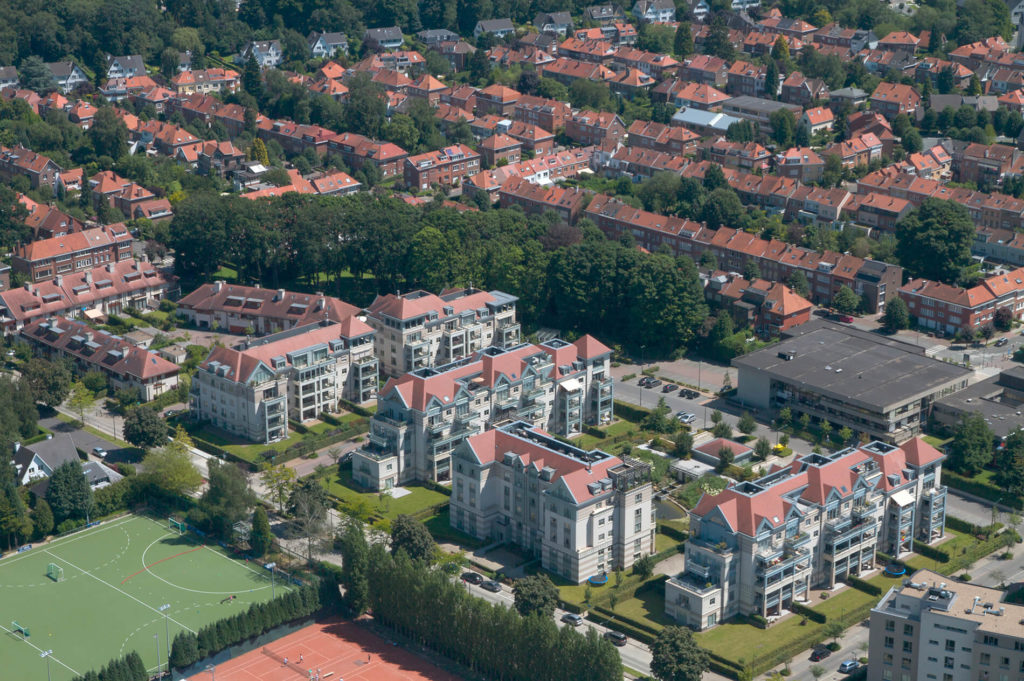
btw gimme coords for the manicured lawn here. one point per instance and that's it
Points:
(340, 485)
(441, 529)
(936, 442)
(225, 272)
(691, 492)
(253, 452)
(955, 544)
(647, 605)
(663, 542)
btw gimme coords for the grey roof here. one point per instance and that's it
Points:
(607, 11)
(856, 367)
(556, 18)
(129, 61)
(850, 93)
(987, 398)
(385, 33)
(334, 38)
(62, 69)
(54, 452)
(98, 474)
(644, 5)
(8, 73)
(758, 104)
(495, 25)
(704, 119)
(437, 35)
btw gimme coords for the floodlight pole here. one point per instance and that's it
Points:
(167, 634)
(156, 637)
(46, 656)
(272, 567)
(213, 672)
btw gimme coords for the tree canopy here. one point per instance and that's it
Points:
(972, 445)
(934, 241)
(411, 537)
(144, 428)
(675, 656)
(535, 595)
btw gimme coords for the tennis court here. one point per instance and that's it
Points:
(334, 650)
(98, 594)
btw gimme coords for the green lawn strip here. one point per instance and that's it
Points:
(936, 441)
(955, 544)
(253, 452)
(99, 433)
(340, 486)
(441, 529)
(663, 542)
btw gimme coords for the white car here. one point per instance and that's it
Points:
(686, 417)
(100, 452)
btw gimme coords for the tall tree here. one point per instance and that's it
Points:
(682, 45)
(228, 498)
(675, 656)
(260, 538)
(170, 469)
(355, 567)
(279, 480)
(366, 108)
(252, 79)
(934, 241)
(771, 80)
(309, 507)
(144, 428)
(411, 537)
(972, 445)
(50, 381)
(535, 595)
(717, 42)
(798, 282)
(35, 75)
(109, 134)
(896, 315)
(69, 493)
(845, 300)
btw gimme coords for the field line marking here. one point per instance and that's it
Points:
(143, 604)
(57, 660)
(79, 535)
(185, 588)
(146, 567)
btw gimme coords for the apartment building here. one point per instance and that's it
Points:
(758, 547)
(75, 252)
(497, 99)
(419, 329)
(357, 150)
(663, 138)
(892, 99)
(445, 167)
(582, 513)
(591, 128)
(880, 212)
(934, 629)
(205, 81)
(549, 114)
(125, 365)
(536, 199)
(234, 308)
(952, 309)
(835, 373)
(254, 390)
(425, 414)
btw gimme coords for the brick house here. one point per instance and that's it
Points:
(75, 252)
(590, 128)
(446, 167)
(951, 309)
(892, 99)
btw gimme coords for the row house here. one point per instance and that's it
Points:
(356, 151)
(254, 390)
(862, 122)
(19, 161)
(334, 89)
(259, 311)
(951, 310)
(502, 56)
(699, 96)
(769, 308)
(589, 128)
(1014, 101)
(581, 513)
(84, 250)
(984, 165)
(791, 28)
(419, 329)
(48, 221)
(125, 365)
(759, 547)
(900, 41)
(826, 272)
(500, 148)
(295, 138)
(218, 159)
(335, 183)
(542, 170)
(621, 34)
(893, 99)
(110, 289)
(706, 69)
(497, 99)
(881, 212)
(427, 88)
(444, 167)
(549, 114)
(749, 157)
(131, 199)
(160, 98)
(745, 78)
(993, 51)
(536, 199)
(533, 138)
(593, 51)
(205, 81)
(456, 53)
(857, 151)
(567, 71)
(931, 163)
(449, 116)
(817, 119)
(658, 66)
(462, 97)
(631, 82)
(1001, 245)
(642, 163)
(852, 39)
(881, 62)
(424, 415)
(800, 163)
(667, 139)
(929, 69)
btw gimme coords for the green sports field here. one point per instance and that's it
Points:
(116, 577)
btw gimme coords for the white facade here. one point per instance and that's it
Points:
(582, 513)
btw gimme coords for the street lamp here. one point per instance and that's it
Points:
(46, 656)
(271, 566)
(156, 637)
(642, 348)
(167, 634)
(210, 668)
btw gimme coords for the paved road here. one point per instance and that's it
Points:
(850, 649)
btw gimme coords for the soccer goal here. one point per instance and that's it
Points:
(176, 525)
(16, 628)
(55, 572)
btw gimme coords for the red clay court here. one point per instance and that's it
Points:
(339, 649)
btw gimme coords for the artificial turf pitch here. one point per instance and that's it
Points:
(116, 577)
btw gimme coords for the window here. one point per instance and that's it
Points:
(888, 642)
(947, 662)
(888, 658)
(905, 663)
(985, 658)
(908, 629)
(991, 640)
(908, 646)
(640, 498)
(950, 645)
(1004, 662)
(887, 674)
(890, 626)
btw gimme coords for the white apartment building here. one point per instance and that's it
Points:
(419, 329)
(424, 415)
(295, 375)
(929, 629)
(582, 513)
(758, 546)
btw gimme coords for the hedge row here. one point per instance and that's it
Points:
(127, 668)
(673, 532)
(809, 613)
(356, 409)
(980, 550)
(866, 587)
(189, 648)
(630, 412)
(960, 525)
(883, 557)
(594, 431)
(930, 551)
(648, 632)
(985, 490)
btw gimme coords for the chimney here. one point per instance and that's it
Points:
(280, 295)
(59, 280)
(110, 267)
(218, 286)
(17, 447)
(29, 287)
(88, 277)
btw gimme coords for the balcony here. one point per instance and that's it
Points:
(720, 548)
(771, 567)
(796, 541)
(378, 441)
(436, 427)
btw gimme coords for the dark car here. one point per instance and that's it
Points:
(616, 638)
(644, 380)
(1001, 342)
(669, 387)
(820, 653)
(472, 578)
(689, 393)
(491, 585)
(653, 383)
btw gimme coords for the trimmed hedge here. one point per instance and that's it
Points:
(630, 412)
(625, 625)
(356, 409)
(594, 431)
(813, 615)
(673, 532)
(883, 557)
(930, 552)
(985, 490)
(960, 525)
(861, 585)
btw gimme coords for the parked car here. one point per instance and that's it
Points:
(491, 585)
(669, 387)
(100, 452)
(472, 578)
(173, 412)
(572, 618)
(644, 380)
(689, 393)
(686, 417)
(653, 383)
(849, 666)
(820, 653)
(1001, 342)
(846, 319)
(616, 638)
